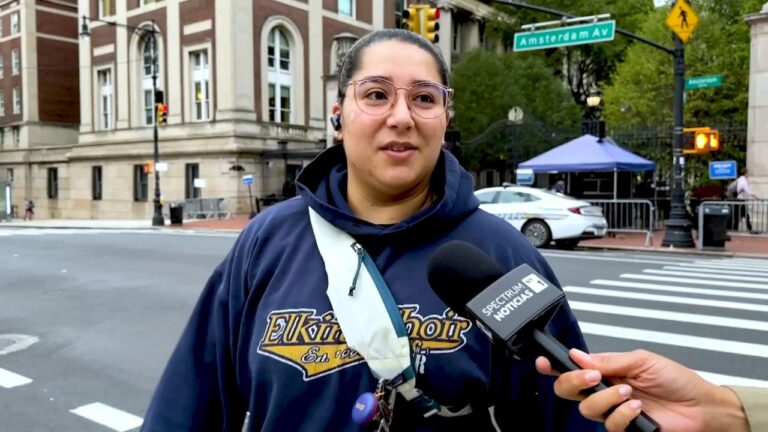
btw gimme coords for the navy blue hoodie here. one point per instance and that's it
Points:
(263, 338)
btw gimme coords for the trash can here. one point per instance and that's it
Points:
(715, 229)
(177, 213)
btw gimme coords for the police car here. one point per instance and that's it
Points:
(543, 216)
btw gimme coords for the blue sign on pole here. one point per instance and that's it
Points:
(722, 170)
(524, 176)
(248, 179)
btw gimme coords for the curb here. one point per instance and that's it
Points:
(677, 251)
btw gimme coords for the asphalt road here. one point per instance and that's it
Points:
(102, 310)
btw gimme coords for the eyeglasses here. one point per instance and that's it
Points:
(376, 96)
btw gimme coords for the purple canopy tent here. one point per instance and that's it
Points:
(589, 154)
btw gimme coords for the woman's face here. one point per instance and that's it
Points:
(392, 153)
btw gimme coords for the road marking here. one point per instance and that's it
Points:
(18, 342)
(596, 258)
(719, 379)
(694, 281)
(678, 340)
(9, 379)
(718, 271)
(669, 316)
(672, 288)
(713, 276)
(730, 265)
(667, 299)
(105, 415)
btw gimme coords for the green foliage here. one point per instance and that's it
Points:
(487, 86)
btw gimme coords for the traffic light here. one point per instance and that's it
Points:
(149, 167)
(412, 18)
(705, 140)
(429, 24)
(162, 114)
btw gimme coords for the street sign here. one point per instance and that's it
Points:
(722, 170)
(161, 166)
(248, 179)
(199, 183)
(524, 176)
(682, 20)
(705, 81)
(602, 31)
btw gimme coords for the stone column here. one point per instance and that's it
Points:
(757, 127)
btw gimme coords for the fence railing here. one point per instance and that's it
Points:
(202, 208)
(744, 216)
(630, 216)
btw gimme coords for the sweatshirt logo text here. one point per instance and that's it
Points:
(314, 343)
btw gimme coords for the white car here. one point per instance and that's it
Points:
(543, 216)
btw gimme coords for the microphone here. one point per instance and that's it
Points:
(512, 309)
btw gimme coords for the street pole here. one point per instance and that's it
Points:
(157, 218)
(250, 200)
(678, 229)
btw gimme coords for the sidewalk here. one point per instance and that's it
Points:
(739, 245)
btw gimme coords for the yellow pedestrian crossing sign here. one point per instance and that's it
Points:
(682, 20)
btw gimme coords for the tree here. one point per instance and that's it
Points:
(581, 67)
(487, 86)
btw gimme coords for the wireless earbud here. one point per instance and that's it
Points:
(336, 122)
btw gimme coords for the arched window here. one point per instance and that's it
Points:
(148, 64)
(279, 76)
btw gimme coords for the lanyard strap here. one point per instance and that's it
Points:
(368, 314)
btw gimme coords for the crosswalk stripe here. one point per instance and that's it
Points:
(680, 340)
(706, 270)
(694, 281)
(10, 379)
(603, 258)
(673, 288)
(730, 265)
(719, 379)
(108, 416)
(719, 266)
(713, 276)
(667, 299)
(669, 316)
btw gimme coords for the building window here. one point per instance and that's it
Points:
(105, 99)
(2, 137)
(279, 76)
(148, 102)
(200, 85)
(347, 8)
(53, 183)
(96, 182)
(9, 171)
(16, 100)
(342, 45)
(2, 65)
(105, 8)
(15, 62)
(192, 171)
(2, 103)
(140, 183)
(14, 23)
(16, 131)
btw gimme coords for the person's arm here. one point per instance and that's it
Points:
(198, 389)
(674, 396)
(755, 403)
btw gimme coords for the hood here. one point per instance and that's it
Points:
(323, 185)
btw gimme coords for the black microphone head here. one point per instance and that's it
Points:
(458, 271)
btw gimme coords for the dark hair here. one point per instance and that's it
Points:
(351, 62)
(743, 170)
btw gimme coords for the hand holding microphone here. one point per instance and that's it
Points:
(512, 309)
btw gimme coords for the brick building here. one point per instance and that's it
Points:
(39, 102)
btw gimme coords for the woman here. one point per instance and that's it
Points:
(265, 338)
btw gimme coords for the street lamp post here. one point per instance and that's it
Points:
(157, 217)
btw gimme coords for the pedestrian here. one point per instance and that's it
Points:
(29, 211)
(744, 194)
(323, 303)
(677, 398)
(559, 186)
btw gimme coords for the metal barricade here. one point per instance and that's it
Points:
(629, 216)
(205, 208)
(749, 217)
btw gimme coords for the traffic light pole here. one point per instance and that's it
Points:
(157, 217)
(678, 229)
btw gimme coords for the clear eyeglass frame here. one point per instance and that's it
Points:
(423, 109)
